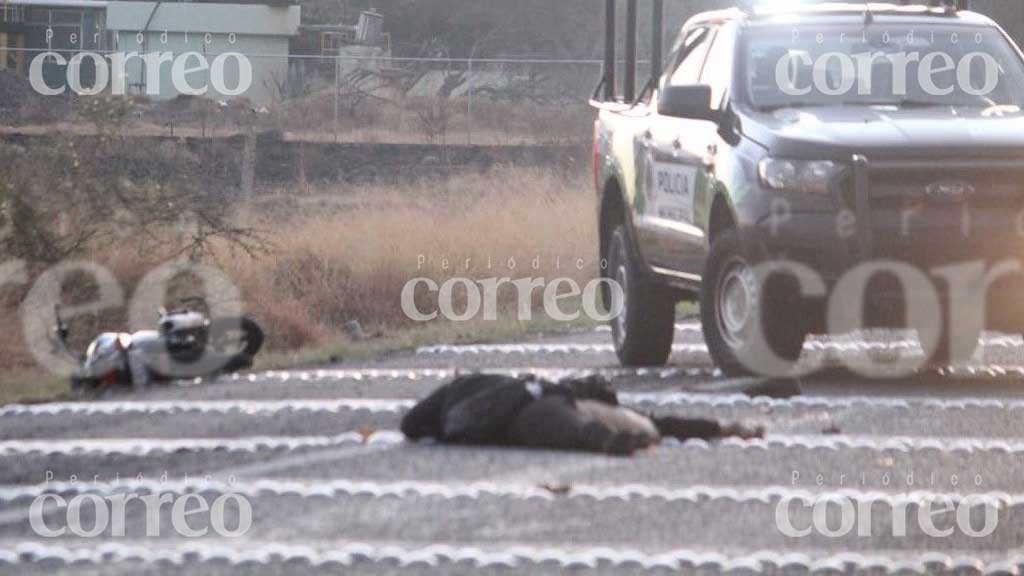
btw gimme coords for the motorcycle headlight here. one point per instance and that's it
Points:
(812, 177)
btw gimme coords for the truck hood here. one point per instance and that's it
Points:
(889, 132)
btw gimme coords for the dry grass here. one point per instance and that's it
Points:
(345, 254)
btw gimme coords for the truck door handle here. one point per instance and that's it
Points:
(677, 144)
(713, 149)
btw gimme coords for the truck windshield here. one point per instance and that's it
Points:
(904, 65)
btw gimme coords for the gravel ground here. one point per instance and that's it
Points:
(331, 487)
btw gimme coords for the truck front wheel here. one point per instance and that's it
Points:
(732, 299)
(644, 328)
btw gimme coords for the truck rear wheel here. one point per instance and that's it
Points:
(644, 329)
(732, 298)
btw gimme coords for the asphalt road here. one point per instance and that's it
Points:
(332, 487)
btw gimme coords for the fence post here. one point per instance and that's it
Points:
(249, 162)
(337, 89)
(469, 113)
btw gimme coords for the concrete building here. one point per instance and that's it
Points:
(261, 33)
(27, 26)
(199, 38)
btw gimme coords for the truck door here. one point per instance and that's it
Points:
(688, 149)
(700, 146)
(665, 178)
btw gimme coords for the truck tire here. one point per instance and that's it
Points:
(644, 329)
(731, 296)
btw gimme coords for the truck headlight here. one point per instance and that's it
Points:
(813, 177)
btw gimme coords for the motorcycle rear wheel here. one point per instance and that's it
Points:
(238, 339)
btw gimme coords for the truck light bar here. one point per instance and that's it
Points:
(951, 4)
(750, 6)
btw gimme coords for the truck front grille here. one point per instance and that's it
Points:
(990, 183)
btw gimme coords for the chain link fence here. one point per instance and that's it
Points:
(349, 98)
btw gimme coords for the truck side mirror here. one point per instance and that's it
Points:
(692, 102)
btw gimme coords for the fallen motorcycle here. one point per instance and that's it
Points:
(186, 344)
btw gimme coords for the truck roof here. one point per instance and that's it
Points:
(842, 12)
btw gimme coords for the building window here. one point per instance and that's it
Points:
(12, 14)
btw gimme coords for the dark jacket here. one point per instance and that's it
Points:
(527, 411)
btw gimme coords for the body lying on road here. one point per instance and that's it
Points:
(576, 414)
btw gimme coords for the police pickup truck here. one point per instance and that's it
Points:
(809, 169)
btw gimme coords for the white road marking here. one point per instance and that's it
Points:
(641, 399)
(400, 405)
(21, 515)
(437, 376)
(513, 490)
(247, 407)
(148, 446)
(569, 348)
(835, 345)
(680, 327)
(905, 444)
(419, 374)
(509, 555)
